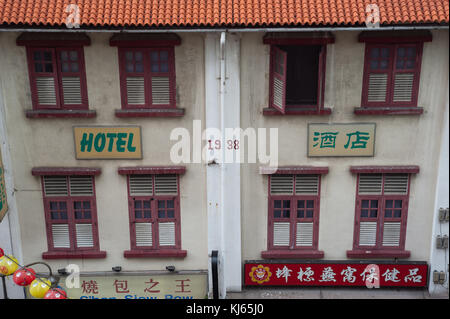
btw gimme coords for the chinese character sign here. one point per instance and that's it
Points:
(3, 202)
(339, 274)
(356, 139)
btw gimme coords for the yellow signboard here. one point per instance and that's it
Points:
(107, 142)
(137, 286)
(3, 202)
(353, 139)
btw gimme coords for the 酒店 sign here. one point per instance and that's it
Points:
(336, 274)
(107, 142)
(3, 202)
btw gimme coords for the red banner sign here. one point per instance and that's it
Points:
(337, 274)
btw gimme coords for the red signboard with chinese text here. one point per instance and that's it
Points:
(336, 274)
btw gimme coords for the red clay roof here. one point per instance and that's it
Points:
(216, 13)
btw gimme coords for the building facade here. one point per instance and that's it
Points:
(355, 117)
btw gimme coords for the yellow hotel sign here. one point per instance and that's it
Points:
(3, 202)
(107, 142)
(353, 139)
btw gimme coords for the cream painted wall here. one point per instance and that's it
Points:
(49, 142)
(400, 140)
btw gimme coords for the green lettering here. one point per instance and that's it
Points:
(121, 142)
(99, 142)
(130, 146)
(111, 137)
(86, 142)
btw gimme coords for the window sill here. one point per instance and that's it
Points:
(388, 110)
(297, 111)
(60, 113)
(75, 254)
(359, 253)
(155, 253)
(299, 254)
(174, 112)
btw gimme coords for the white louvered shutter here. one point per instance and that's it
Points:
(281, 184)
(304, 234)
(71, 89)
(403, 87)
(135, 86)
(396, 184)
(166, 184)
(46, 90)
(141, 185)
(367, 233)
(81, 186)
(279, 69)
(55, 186)
(166, 234)
(391, 234)
(281, 233)
(306, 184)
(377, 87)
(370, 184)
(84, 235)
(60, 235)
(160, 90)
(144, 234)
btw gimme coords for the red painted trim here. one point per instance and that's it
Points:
(369, 37)
(282, 254)
(139, 40)
(152, 170)
(388, 110)
(325, 39)
(411, 169)
(51, 39)
(176, 253)
(65, 171)
(73, 255)
(381, 253)
(295, 170)
(297, 111)
(175, 112)
(59, 113)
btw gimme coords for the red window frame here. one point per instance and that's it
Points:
(382, 199)
(154, 218)
(71, 221)
(147, 74)
(391, 71)
(293, 219)
(57, 74)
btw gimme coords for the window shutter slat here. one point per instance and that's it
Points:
(166, 185)
(46, 93)
(144, 234)
(403, 87)
(306, 184)
(279, 67)
(84, 235)
(141, 185)
(55, 186)
(396, 184)
(135, 90)
(281, 233)
(370, 184)
(281, 184)
(377, 87)
(60, 234)
(160, 90)
(391, 234)
(71, 86)
(367, 233)
(81, 186)
(304, 234)
(167, 234)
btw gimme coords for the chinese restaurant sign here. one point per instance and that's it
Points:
(176, 286)
(338, 274)
(355, 139)
(3, 202)
(107, 142)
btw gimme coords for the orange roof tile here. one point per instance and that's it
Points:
(214, 13)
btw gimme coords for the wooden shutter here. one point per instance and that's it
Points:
(71, 71)
(391, 234)
(378, 70)
(144, 234)
(84, 235)
(306, 184)
(135, 90)
(166, 184)
(396, 184)
(377, 87)
(367, 233)
(406, 70)
(81, 186)
(403, 87)
(279, 69)
(370, 184)
(43, 77)
(141, 185)
(160, 90)
(304, 234)
(166, 232)
(281, 184)
(60, 235)
(281, 233)
(55, 186)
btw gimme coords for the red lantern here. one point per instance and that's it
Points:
(24, 276)
(2, 253)
(55, 293)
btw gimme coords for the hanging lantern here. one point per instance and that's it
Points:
(39, 287)
(56, 293)
(2, 253)
(24, 276)
(8, 265)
